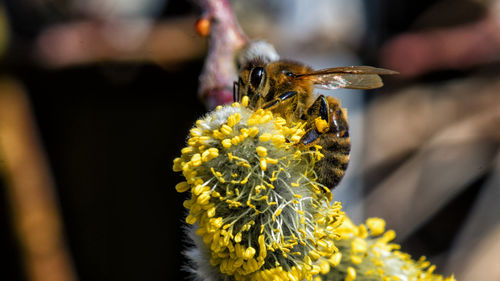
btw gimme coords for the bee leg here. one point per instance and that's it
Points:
(280, 98)
(338, 121)
(319, 113)
(310, 137)
(255, 99)
(320, 109)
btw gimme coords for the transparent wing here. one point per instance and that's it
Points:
(352, 77)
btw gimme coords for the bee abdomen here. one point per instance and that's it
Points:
(331, 168)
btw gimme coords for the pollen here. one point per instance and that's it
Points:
(376, 226)
(182, 187)
(263, 164)
(351, 274)
(244, 101)
(226, 129)
(233, 119)
(265, 137)
(261, 151)
(226, 143)
(196, 160)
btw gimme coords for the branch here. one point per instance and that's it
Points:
(226, 39)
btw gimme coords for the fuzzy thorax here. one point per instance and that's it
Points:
(254, 196)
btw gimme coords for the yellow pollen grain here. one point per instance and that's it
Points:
(226, 143)
(190, 219)
(314, 255)
(215, 173)
(278, 139)
(258, 188)
(271, 161)
(209, 154)
(261, 151)
(266, 118)
(356, 259)
(196, 160)
(204, 198)
(254, 131)
(358, 245)
(199, 189)
(178, 164)
(237, 237)
(187, 150)
(280, 121)
(265, 137)
(249, 253)
(244, 133)
(203, 140)
(362, 231)
(192, 141)
(263, 164)
(335, 259)
(376, 226)
(195, 132)
(295, 138)
(244, 101)
(351, 274)
(235, 140)
(211, 212)
(245, 180)
(321, 125)
(325, 267)
(182, 187)
(233, 119)
(217, 134)
(226, 130)
(297, 154)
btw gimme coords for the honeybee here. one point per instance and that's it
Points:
(286, 88)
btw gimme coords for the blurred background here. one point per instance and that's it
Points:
(97, 96)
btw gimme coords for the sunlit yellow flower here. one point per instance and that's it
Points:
(365, 253)
(255, 202)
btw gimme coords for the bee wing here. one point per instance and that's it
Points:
(352, 77)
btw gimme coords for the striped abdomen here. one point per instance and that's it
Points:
(336, 146)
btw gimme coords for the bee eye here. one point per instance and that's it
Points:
(256, 76)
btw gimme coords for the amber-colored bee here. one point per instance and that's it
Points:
(286, 88)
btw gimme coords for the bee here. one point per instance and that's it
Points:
(287, 89)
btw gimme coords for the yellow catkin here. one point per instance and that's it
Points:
(254, 151)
